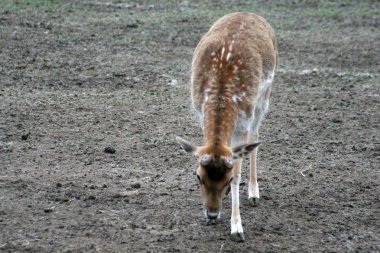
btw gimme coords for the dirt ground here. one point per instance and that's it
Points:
(78, 76)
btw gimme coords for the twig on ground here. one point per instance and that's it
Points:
(302, 171)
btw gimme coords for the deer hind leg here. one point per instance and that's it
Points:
(253, 186)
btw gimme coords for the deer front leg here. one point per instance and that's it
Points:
(236, 226)
(253, 187)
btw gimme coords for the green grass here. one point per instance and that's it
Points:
(344, 8)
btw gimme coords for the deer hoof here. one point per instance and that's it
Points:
(254, 201)
(238, 237)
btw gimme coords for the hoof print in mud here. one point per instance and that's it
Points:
(254, 202)
(109, 150)
(238, 237)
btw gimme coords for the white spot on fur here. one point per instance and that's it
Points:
(213, 53)
(232, 43)
(236, 98)
(228, 56)
(223, 49)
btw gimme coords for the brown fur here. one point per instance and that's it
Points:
(230, 63)
(253, 56)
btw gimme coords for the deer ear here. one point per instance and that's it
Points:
(244, 150)
(187, 146)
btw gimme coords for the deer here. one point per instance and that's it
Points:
(232, 71)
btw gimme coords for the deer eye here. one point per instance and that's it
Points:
(199, 179)
(229, 162)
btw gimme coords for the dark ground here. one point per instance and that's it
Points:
(77, 76)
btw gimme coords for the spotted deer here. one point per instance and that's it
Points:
(232, 71)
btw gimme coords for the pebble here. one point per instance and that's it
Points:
(91, 197)
(132, 25)
(125, 194)
(109, 150)
(49, 209)
(24, 137)
(136, 185)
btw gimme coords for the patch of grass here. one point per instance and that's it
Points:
(35, 5)
(74, 144)
(324, 11)
(6, 146)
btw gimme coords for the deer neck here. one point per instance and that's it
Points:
(218, 121)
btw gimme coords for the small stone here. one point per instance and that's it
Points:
(58, 185)
(136, 185)
(173, 82)
(109, 150)
(87, 162)
(132, 25)
(117, 195)
(24, 137)
(91, 197)
(49, 209)
(125, 194)
(336, 120)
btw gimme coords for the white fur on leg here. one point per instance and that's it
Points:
(236, 226)
(253, 190)
(253, 186)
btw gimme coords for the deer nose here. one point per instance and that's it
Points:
(213, 215)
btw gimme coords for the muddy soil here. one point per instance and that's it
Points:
(79, 76)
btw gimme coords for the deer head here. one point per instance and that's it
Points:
(215, 172)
